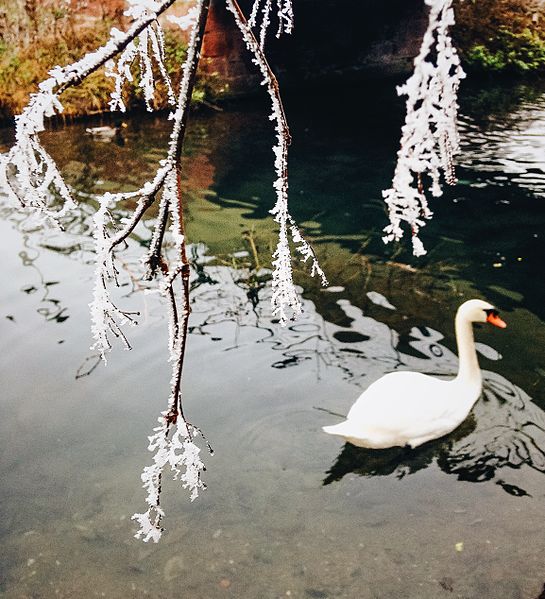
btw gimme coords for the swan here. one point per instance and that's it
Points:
(410, 408)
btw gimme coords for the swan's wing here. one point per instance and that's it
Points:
(402, 400)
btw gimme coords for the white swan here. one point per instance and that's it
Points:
(410, 408)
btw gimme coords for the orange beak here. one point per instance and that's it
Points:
(496, 320)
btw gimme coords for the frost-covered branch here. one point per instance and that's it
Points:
(28, 173)
(284, 293)
(106, 317)
(150, 190)
(175, 449)
(32, 179)
(429, 137)
(284, 13)
(178, 451)
(150, 38)
(173, 440)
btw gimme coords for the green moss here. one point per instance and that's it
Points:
(509, 52)
(501, 36)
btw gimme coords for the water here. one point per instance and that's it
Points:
(289, 511)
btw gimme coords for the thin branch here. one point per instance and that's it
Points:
(185, 272)
(148, 192)
(284, 293)
(154, 258)
(176, 449)
(78, 71)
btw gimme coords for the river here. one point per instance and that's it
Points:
(289, 511)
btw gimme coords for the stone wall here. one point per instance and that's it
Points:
(332, 39)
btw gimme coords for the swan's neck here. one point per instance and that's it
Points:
(468, 369)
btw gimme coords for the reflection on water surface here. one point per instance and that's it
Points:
(508, 149)
(289, 511)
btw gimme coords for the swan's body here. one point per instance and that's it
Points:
(410, 408)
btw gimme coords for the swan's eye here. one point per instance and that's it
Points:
(492, 312)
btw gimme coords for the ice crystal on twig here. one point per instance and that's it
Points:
(177, 451)
(106, 318)
(285, 17)
(429, 137)
(284, 294)
(307, 253)
(28, 174)
(150, 38)
(262, 12)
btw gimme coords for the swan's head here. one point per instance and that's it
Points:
(480, 311)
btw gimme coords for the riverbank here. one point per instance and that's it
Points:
(494, 37)
(22, 69)
(504, 37)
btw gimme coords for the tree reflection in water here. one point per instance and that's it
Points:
(504, 430)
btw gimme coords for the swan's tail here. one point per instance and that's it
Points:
(343, 429)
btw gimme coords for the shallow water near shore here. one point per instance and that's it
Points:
(289, 511)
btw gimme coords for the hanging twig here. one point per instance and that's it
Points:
(284, 293)
(33, 179)
(429, 136)
(176, 449)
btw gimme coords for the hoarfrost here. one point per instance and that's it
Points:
(429, 137)
(284, 13)
(151, 39)
(28, 173)
(284, 297)
(106, 317)
(178, 451)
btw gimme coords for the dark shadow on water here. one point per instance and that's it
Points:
(397, 461)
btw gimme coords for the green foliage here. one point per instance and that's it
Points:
(175, 53)
(509, 52)
(23, 68)
(501, 36)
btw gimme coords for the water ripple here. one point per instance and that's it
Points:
(507, 150)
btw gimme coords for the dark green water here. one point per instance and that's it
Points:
(289, 511)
